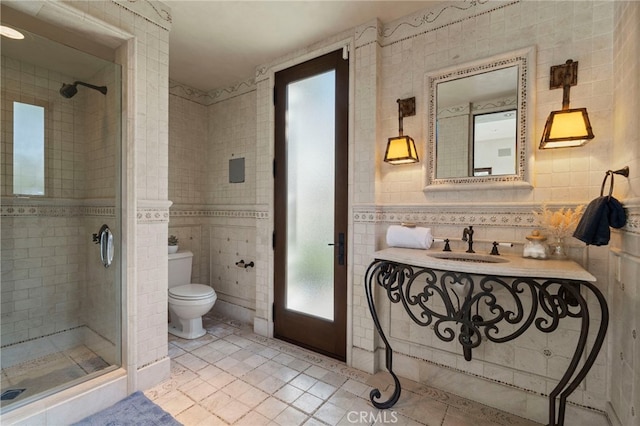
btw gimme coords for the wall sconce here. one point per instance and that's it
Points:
(568, 127)
(402, 149)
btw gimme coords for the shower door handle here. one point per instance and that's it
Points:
(105, 238)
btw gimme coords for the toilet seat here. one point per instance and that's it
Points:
(191, 292)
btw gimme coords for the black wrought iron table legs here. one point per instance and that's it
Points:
(478, 305)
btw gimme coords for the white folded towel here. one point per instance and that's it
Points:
(402, 236)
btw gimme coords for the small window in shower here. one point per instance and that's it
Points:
(28, 149)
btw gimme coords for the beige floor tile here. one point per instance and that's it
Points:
(307, 403)
(330, 414)
(198, 389)
(253, 419)
(314, 422)
(193, 415)
(236, 377)
(191, 362)
(285, 374)
(174, 402)
(221, 379)
(343, 399)
(288, 393)
(253, 397)
(290, 417)
(232, 411)
(270, 385)
(271, 407)
(322, 390)
(303, 382)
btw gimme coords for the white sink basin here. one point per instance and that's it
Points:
(468, 257)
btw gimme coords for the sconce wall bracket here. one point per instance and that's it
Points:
(407, 107)
(566, 73)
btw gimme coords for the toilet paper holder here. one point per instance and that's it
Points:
(241, 264)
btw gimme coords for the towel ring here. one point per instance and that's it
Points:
(623, 171)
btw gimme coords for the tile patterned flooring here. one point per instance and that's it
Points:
(233, 376)
(48, 363)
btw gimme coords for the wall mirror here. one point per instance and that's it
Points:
(478, 122)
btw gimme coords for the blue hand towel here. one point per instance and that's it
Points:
(600, 214)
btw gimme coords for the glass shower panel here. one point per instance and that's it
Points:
(310, 183)
(61, 307)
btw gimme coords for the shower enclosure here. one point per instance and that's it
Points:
(61, 285)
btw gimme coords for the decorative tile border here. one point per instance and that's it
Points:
(153, 211)
(206, 212)
(54, 208)
(426, 21)
(463, 215)
(502, 215)
(214, 96)
(152, 11)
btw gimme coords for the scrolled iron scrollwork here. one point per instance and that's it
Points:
(475, 307)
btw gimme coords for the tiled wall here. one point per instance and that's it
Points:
(624, 259)
(231, 135)
(49, 283)
(139, 34)
(453, 158)
(233, 281)
(188, 151)
(213, 218)
(561, 176)
(382, 194)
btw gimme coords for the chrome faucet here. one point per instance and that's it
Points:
(467, 235)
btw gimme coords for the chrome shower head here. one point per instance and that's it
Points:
(69, 90)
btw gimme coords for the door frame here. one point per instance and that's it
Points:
(265, 325)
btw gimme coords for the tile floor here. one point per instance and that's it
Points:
(47, 363)
(233, 376)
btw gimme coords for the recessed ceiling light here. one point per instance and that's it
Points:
(11, 33)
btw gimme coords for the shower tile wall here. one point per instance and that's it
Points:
(43, 262)
(23, 82)
(45, 240)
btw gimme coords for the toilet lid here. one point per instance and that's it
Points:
(191, 291)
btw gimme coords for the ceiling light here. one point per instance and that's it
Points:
(10, 33)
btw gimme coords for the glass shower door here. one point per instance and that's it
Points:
(61, 152)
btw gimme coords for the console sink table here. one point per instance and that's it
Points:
(479, 295)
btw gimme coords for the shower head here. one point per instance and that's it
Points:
(69, 90)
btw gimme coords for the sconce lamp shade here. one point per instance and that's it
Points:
(401, 150)
(566, 128)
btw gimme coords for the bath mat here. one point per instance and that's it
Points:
(134, 410)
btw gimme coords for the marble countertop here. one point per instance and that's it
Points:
(507, 265)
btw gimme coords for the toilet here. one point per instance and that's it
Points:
(188, 302)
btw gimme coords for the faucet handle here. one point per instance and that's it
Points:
(446, 245)
(494, 250)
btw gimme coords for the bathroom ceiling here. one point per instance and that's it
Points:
(215, 44)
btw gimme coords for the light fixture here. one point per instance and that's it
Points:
(569, 126)
(11, 33)
(402, 149)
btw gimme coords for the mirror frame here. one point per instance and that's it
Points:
(525, 59)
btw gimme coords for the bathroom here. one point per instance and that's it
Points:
(174, 179)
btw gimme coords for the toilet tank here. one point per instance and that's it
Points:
(180, 268)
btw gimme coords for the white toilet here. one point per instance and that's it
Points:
(187, 302)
